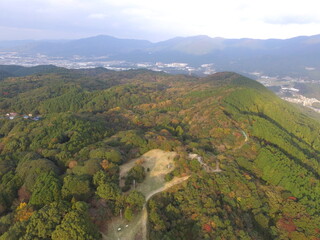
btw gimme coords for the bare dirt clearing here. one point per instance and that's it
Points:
(159, 164)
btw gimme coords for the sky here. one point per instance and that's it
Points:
(157, 20)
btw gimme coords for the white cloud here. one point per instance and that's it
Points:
(292, 19)
(158, 20)
(97, 16)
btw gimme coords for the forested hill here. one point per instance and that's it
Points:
(65, 133)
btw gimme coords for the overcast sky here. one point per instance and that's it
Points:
(157, 20)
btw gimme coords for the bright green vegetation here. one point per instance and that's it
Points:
(59, 176)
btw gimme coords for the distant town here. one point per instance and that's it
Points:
(282, 86)
(79, 62)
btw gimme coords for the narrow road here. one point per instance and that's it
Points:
(245, 135)
(246, 139)
(218, 169)
(144, 217)
(204, 165)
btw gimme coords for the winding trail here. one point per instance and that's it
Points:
(159, 163)
(218, 169)
(245, 135)
(204, 165)
(144, 217)
(246, 139)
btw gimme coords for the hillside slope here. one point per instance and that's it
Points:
(86, 124)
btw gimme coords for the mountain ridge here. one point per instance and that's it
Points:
(277, 57)
(313, 39)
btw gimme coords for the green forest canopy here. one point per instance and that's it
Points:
(66, 164)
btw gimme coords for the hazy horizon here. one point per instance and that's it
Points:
(105, 35)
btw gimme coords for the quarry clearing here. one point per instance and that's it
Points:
(159, 163)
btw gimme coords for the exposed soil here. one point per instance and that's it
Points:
(159, 164)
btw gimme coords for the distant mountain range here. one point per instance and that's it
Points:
(298, 56)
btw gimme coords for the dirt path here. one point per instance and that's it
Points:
(204, 165)
(168, 185)
(144, 217)
(159, 164)
(217, 169)
(245, 135)
(246, 139)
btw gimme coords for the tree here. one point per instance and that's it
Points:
(9, 185)
(179, 131)
(16, 231)
(90, 167)
(135, 200)
(100, 178)
(30, 170)
(47, 189)
(76, 224)
(77, 186)
(136, 173)
(108, 191)
(23, 212)
(110, 154)
(44, 222)
(128, 214)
